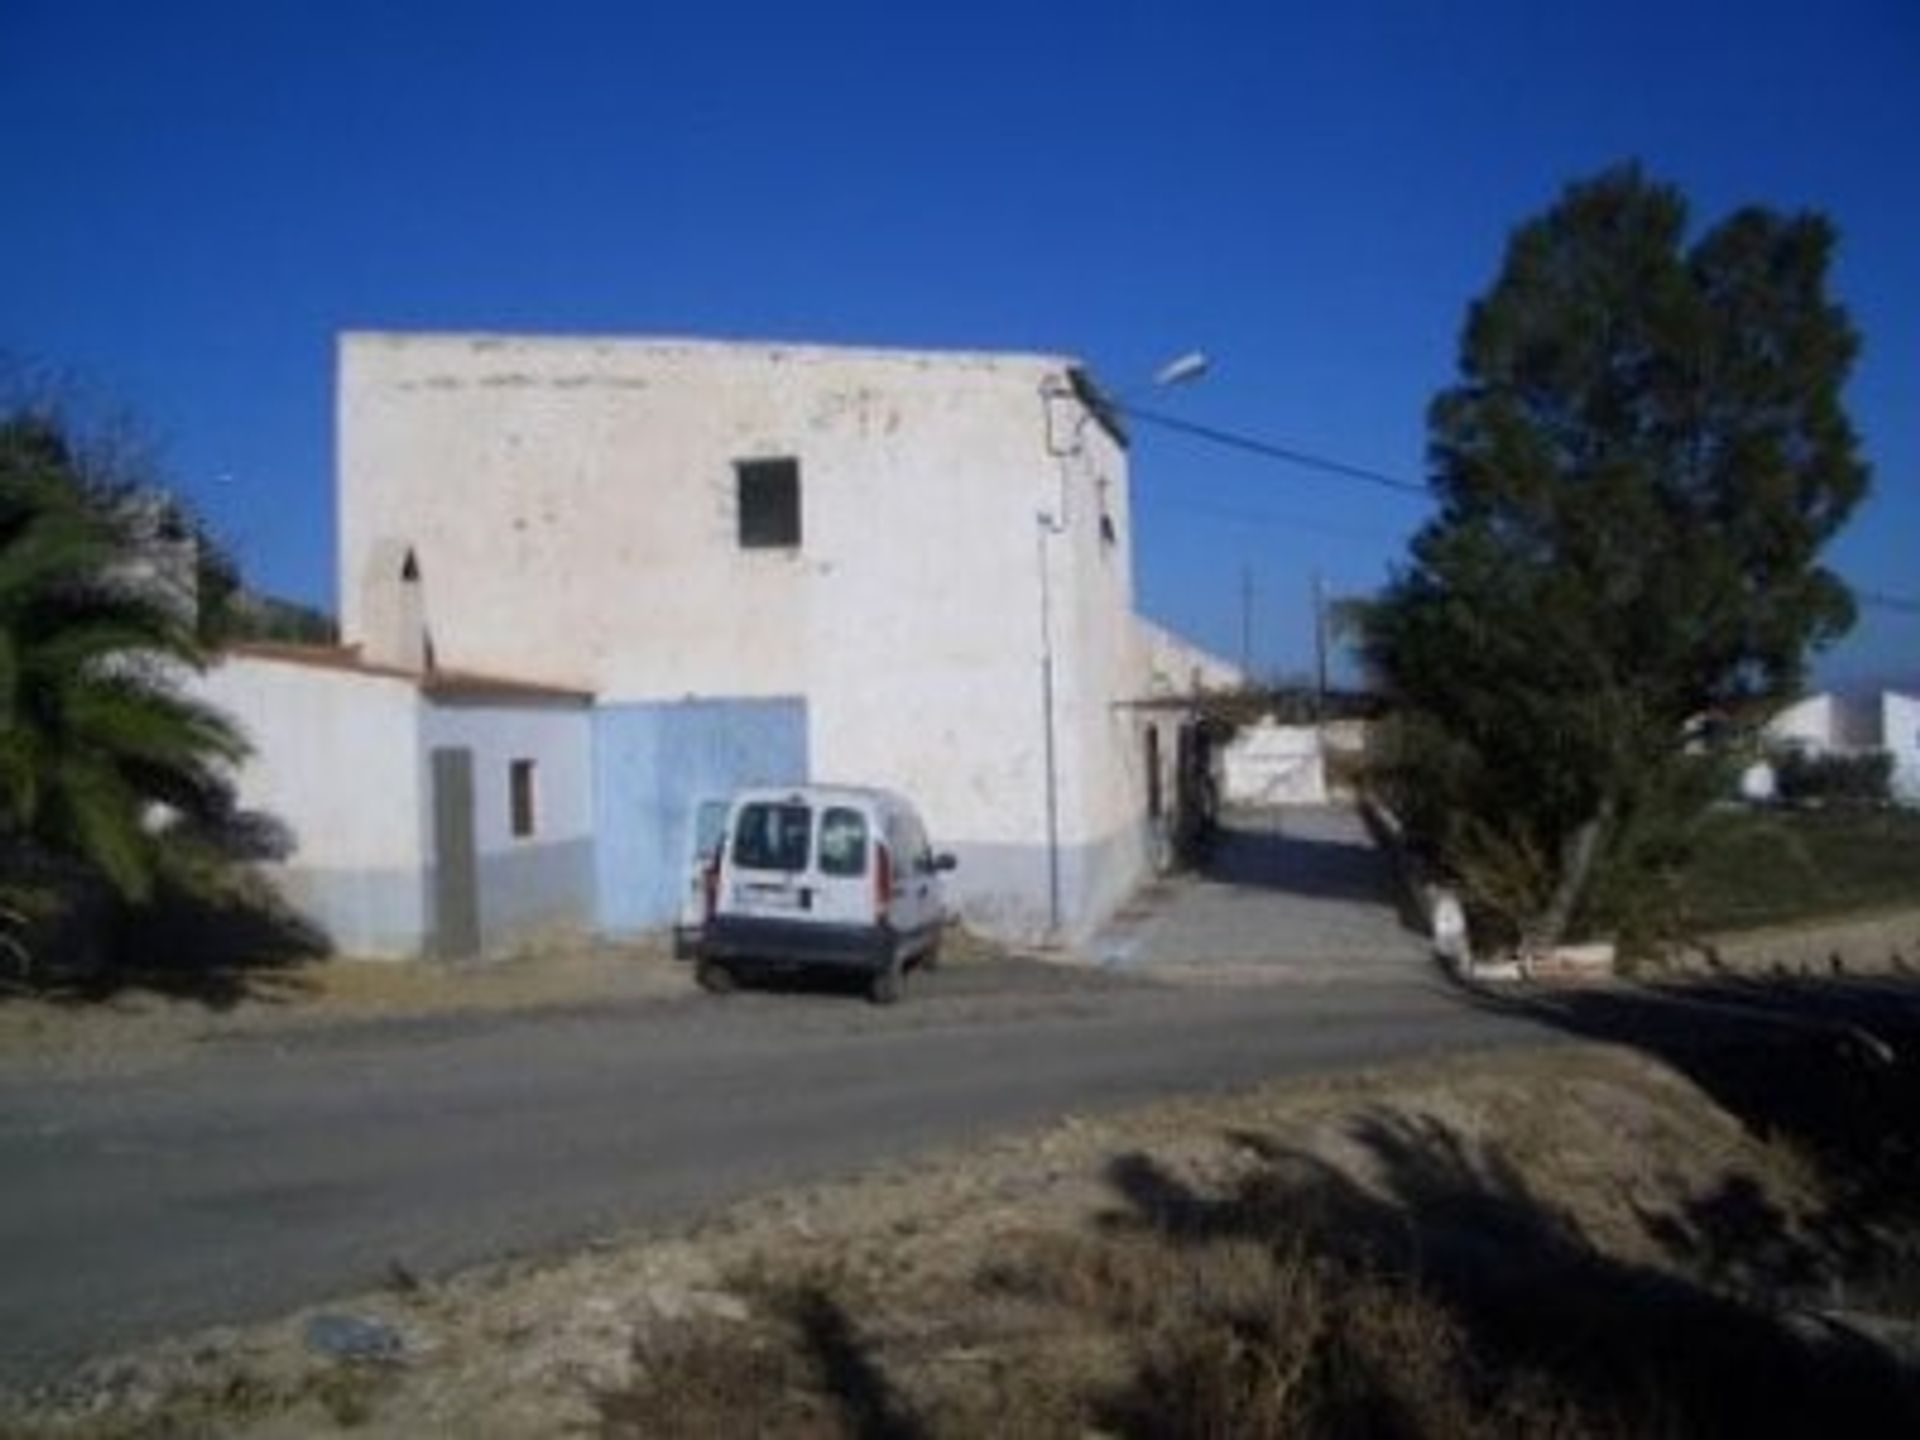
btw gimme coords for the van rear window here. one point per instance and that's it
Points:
(843, 842)
(772, 836)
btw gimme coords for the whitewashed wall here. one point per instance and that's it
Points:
(1268, 763)
(529, 885)
(1808, 722)
(555, 736)
(335, 758)
(1900, 730)
(1176, 665)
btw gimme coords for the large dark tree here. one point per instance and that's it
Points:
(1636, 471)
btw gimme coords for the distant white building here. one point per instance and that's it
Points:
(745, 563)
(1268, 763)
(1826, 723)
(1900, 737)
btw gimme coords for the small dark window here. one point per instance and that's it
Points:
(520, 797)
(769, 504)
(1156, 802)
(843, 842)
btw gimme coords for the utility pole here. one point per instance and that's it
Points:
(1319, 650)
(1246, 622)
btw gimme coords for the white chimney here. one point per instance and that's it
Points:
(393, 609)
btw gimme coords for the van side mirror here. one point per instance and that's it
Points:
(944, 861)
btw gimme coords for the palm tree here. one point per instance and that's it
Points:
(101, 752)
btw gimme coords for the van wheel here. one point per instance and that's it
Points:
(715, 978)
(885, 986)
(930, 957)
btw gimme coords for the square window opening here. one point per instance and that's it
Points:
(769, 496)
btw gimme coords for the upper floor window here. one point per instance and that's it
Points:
(769, 492)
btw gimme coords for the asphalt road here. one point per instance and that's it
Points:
(258, 1175)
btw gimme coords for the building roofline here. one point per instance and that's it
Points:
(798, 349)
(437, 683)
(1175, 637)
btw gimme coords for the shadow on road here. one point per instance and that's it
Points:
(1311, 853)
(1275, 860)
(210, 949)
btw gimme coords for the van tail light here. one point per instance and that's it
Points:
(710, 886)
(882, 881)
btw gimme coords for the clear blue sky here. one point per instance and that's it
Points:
(201, 194)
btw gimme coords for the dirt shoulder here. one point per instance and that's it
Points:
(1493, 1244)
(148, 1022)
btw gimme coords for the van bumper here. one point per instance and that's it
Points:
(797, 943)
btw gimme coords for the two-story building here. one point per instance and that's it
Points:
(770, 562)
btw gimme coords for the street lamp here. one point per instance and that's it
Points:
(1180, 370)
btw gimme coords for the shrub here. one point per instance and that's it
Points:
(1804, 778)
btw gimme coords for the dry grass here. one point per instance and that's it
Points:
(138, 1024)
(1757, 868)
(1064, 1336)
(1594, 1251)
(145, 1018)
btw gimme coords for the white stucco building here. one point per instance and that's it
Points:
(771, 562)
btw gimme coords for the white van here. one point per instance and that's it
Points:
(822, 875)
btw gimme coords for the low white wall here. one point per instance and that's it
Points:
(1900, 732)
(1272, 764)
(335, 759)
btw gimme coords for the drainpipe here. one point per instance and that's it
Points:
(1045, 526)
(1055, 390)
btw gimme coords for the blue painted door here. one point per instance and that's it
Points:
(653, 764)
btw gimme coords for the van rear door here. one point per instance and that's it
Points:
(844, 864)
(768, 854)
(703, 848)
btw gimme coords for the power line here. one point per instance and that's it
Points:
(1272, 450)
(1254, 445)
(1279, 519)
(1897, 603)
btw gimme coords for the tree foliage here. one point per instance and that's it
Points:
(107, 769)
(1636, 470)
